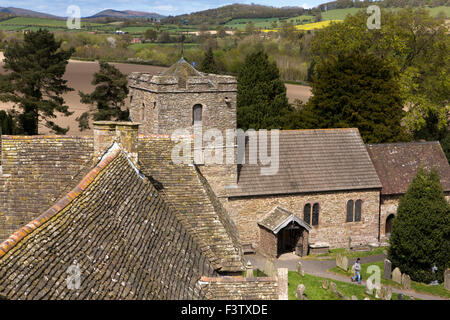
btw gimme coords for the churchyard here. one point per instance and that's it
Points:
(438, 290)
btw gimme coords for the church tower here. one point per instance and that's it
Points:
(181, 97)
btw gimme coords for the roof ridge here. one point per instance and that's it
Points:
(17, 236)
(401, 143)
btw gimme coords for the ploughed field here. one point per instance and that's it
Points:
(79, 75)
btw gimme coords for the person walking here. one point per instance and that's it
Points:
(357, 268)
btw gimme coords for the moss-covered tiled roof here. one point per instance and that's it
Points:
(182, 69)
(127, 242)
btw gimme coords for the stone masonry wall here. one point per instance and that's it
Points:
(332, 227)
(268, 243)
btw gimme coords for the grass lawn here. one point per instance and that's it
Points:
(314, 289)
(331, 254)
(416, 286)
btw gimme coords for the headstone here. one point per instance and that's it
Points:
(447, 279)
(366, 298)
(333, 287)
(397, 276)
(269, 268)
(387, 269)
(377, 293)
(342, 262)
(325, 284)
(300, 269)
(401, 296)
(406, 281)
(385, 293)
(300, 291)
(354, 298)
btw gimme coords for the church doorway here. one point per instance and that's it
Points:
(388, 228)
(290, 239)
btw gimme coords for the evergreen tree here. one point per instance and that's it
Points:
(208, 64)
(7, 123)
(261, 98)
(356, 90)
(35, 80)
(108, 98)
(420, 235)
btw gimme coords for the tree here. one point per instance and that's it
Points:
(208, 64)
(35, 80)
(108, 98)
(151, 35)
(7, 123)
(250, 27)
(261, 98)
(420, 236)
(413, 43)
(356, 90)
(221, 32)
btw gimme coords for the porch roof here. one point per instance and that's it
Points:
(279, 218)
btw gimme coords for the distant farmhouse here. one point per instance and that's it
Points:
(139, 226)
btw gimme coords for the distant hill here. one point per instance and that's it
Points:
(27, 13)
(127, 14)
(235, 11)
(341, 4)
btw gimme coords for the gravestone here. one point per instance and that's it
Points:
(354, 298)
(397, 276)
(342, 262)
(325, 284)
(300, 269)
(387, 269)
(385, 293)
(406, 281)
(300, 291)
(366, 298)
(377, 293)
(401, 296)
(333, 287)
(269, 268)
(447, 279)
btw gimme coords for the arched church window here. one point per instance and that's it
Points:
(315, 214)
(349, 211)
(358, 207)
(197, 114)
(307, 213)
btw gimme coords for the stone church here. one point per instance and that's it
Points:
(331, 190)
(136, 225)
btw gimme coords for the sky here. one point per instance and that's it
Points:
(164, 7)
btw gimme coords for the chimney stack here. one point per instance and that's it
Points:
(124, 133)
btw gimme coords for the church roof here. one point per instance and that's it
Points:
(320, 160)
(182, 69)
(122, 237)
(397, 164)
(279, 218)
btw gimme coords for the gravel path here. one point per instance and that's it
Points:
(319, 268)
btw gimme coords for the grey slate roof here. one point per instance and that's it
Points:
(127, 241)
(397, 164)
(312, 161)
(278, 218)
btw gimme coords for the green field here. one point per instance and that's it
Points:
(140, 46)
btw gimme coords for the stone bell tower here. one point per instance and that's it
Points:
(180, 97)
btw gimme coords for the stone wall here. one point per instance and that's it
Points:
(332, 228)
(268, 243)
(240, 288)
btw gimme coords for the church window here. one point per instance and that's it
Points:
(307, 213)
(197, 114)
(358, 207)
(315, 214)
(349, 211)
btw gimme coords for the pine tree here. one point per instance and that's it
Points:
(208, 64)
(420, 235)
(35, 80)
(261, 98)
(108, 98)
(356, 90)
(7, 123)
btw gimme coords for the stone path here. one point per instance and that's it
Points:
(319, 268)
